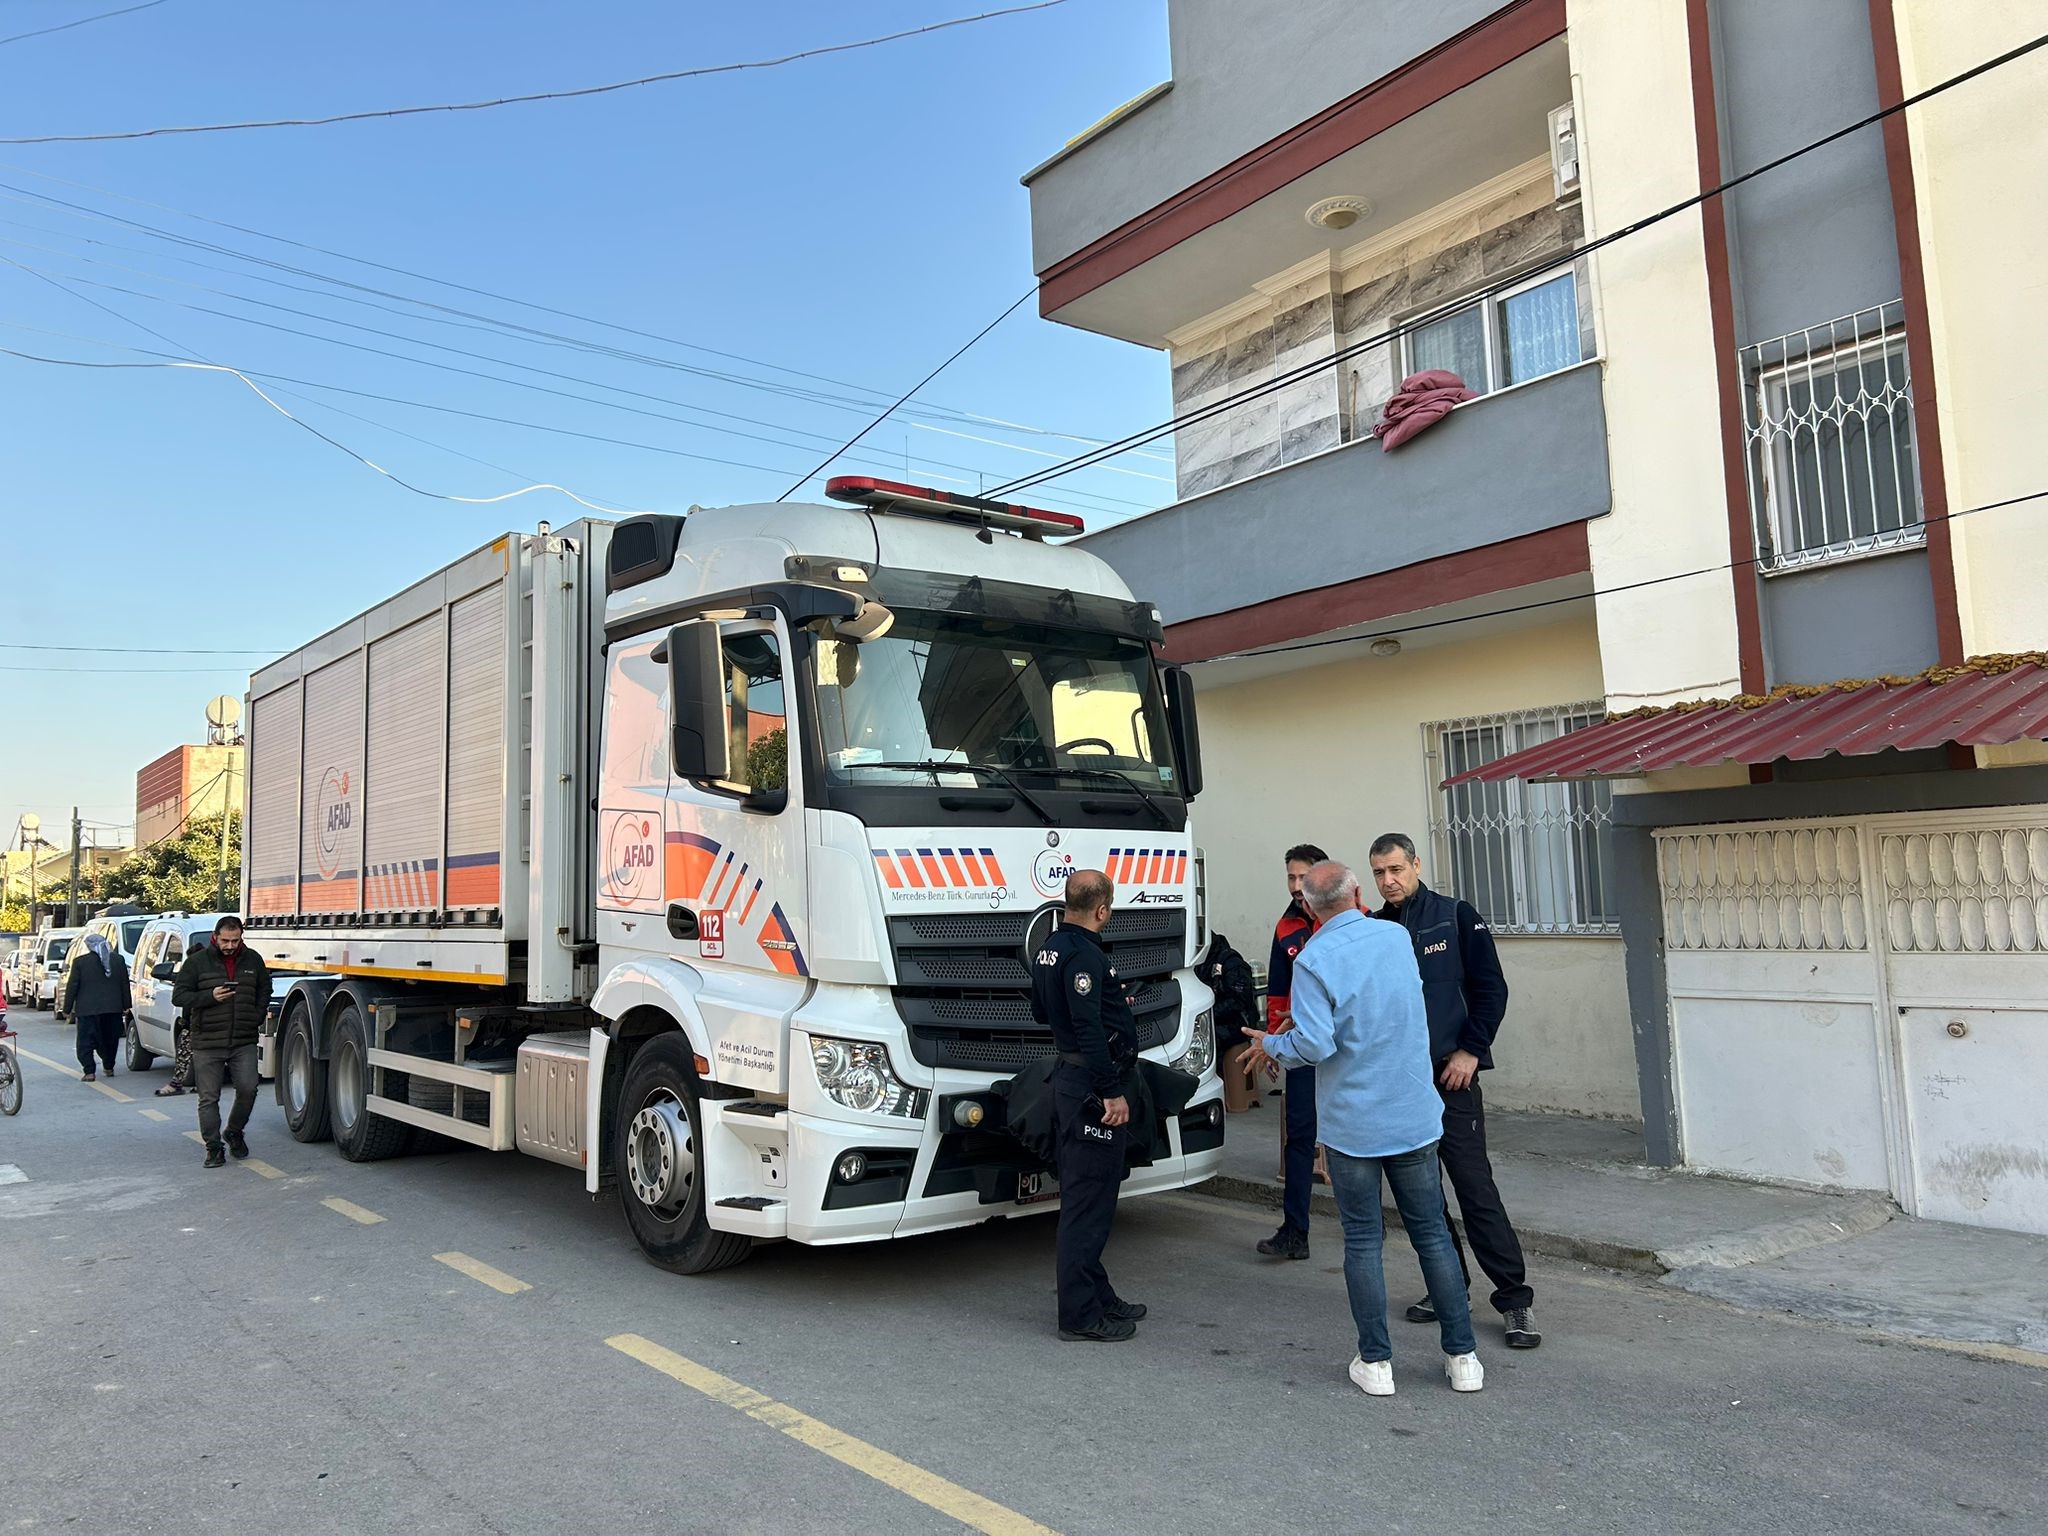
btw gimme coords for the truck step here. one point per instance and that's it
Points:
(760, 1107)
(748, 1203)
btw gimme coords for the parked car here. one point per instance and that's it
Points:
(46, 980)
(162, 946)
(123, 932)
(13, 978)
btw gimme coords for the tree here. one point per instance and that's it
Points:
(181, 873)
(14, 918)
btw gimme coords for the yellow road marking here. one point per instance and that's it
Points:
(74, 1074)
(257, 1165)
(352, 1211)
(479, 1271)
(155, 1114)
(948, 1498)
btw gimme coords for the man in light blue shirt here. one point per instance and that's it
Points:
(1359, 1021)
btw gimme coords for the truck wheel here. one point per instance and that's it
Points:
(655, 1149)
(361, 1136)
(302, 1078)
(139, 1060)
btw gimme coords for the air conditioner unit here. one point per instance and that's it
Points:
(1564, 152)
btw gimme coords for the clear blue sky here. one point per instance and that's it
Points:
(855, 216)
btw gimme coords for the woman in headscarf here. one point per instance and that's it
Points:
(95, 995)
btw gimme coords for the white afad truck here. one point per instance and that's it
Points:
(704, 854)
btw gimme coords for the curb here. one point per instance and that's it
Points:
(1554, 1245)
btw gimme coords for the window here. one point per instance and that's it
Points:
(174, 949)
(1531, 330)
(759, 755)
(957, 689)
(1829, 433)
(1533, 858)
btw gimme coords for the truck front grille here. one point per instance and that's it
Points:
(965, 990)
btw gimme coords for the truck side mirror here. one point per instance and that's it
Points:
(699, 739)
(165, 972)
(1180, 725)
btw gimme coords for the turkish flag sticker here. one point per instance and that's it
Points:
(711, 936)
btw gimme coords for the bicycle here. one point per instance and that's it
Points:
(10, 1074)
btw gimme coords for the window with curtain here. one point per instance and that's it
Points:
(1520, 335)
(1532, 858)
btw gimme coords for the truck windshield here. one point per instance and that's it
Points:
(941, 688)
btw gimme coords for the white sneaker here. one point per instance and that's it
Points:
(1375, 1378)
(1465, 1371)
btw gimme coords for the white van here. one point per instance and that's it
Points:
(46, 978)
(160, 948)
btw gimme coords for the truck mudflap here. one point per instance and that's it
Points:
(773, 1172)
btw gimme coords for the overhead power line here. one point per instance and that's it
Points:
(484, 357)
(665, 77)
(1366, 638)
(840, 402)
(1494, 290)
(83, 21)
(920, 384)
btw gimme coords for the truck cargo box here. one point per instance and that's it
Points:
(391, 815)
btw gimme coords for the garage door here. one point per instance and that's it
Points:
(1864, 1004)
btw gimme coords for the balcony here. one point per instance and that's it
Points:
(1491, 499)
(1174, 205)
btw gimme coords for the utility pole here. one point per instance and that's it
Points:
(71, 906)
(227, 801)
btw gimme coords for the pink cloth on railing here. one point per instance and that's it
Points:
(1423, 398)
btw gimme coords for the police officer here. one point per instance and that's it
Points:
(1075, 994)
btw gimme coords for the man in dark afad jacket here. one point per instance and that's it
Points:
(95, 994)
(1466, 997)
(227, 987)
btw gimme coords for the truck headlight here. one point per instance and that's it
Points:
(856, 1074)
(1200, 1056)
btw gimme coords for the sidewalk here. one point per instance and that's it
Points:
(1578, 1189)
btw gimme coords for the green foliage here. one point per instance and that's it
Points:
(14, 918)
(181, 873)
(768, 761)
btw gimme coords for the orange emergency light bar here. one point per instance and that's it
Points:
(924, 501)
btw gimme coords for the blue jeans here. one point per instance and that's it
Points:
(1419, 1196)
(1298, 1157)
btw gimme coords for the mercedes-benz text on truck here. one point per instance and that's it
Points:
(704, 854)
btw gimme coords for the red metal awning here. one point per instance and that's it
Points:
(1985, 702)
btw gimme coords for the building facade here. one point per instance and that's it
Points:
(186, 784)
(1738, 447)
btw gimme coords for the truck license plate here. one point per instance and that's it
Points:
(1034, 1187)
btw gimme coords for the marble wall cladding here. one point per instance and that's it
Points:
(1505, 242)
(1327, 311)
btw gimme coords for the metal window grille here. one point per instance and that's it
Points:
(1829, 436)
(1533, 858)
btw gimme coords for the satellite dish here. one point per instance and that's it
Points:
(31, 823)
(223, 711)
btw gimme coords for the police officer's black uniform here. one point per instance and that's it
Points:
(1075, 993)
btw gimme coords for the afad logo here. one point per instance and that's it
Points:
(630, 854)
(333, 815)
(1049, 872)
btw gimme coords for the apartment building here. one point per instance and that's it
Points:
(1610, 632)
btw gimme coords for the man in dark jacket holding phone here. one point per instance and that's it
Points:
(1466, 997)
(226, 985)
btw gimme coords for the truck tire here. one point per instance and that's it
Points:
(654, 1153)
(302, 1078)
(360, 1135)
(139, 1060)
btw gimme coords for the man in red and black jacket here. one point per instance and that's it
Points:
(1298, 1150)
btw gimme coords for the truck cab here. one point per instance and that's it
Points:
(850, 756)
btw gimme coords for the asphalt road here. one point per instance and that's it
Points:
(190, 1350)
